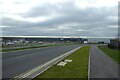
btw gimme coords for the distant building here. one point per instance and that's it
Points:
(39, 40)
(85, 42)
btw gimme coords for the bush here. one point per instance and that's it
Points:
(112, 46)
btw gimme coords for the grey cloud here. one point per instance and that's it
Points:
(87, 19)
(48, 8)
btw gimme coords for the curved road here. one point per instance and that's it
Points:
(15, 63)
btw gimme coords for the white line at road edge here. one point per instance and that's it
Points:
(89, 67)
(41, 68)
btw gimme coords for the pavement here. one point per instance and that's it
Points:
(101, 65)
(15, 63)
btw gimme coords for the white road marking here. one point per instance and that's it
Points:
(44, 66)
(89, 67)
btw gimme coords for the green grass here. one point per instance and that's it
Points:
(78, 68)
(113, 53)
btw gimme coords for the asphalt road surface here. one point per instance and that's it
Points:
(101, 65)
(15, 63)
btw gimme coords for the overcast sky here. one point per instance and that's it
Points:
(89, 18)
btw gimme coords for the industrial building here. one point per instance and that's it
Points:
(40, 40)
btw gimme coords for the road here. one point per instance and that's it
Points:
(15, 63)
(101, 65)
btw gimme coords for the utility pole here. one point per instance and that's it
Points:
(62, 35)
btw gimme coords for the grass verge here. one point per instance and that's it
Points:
(78, 68)
(24, 48)
(113, 53)
(31, 47)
